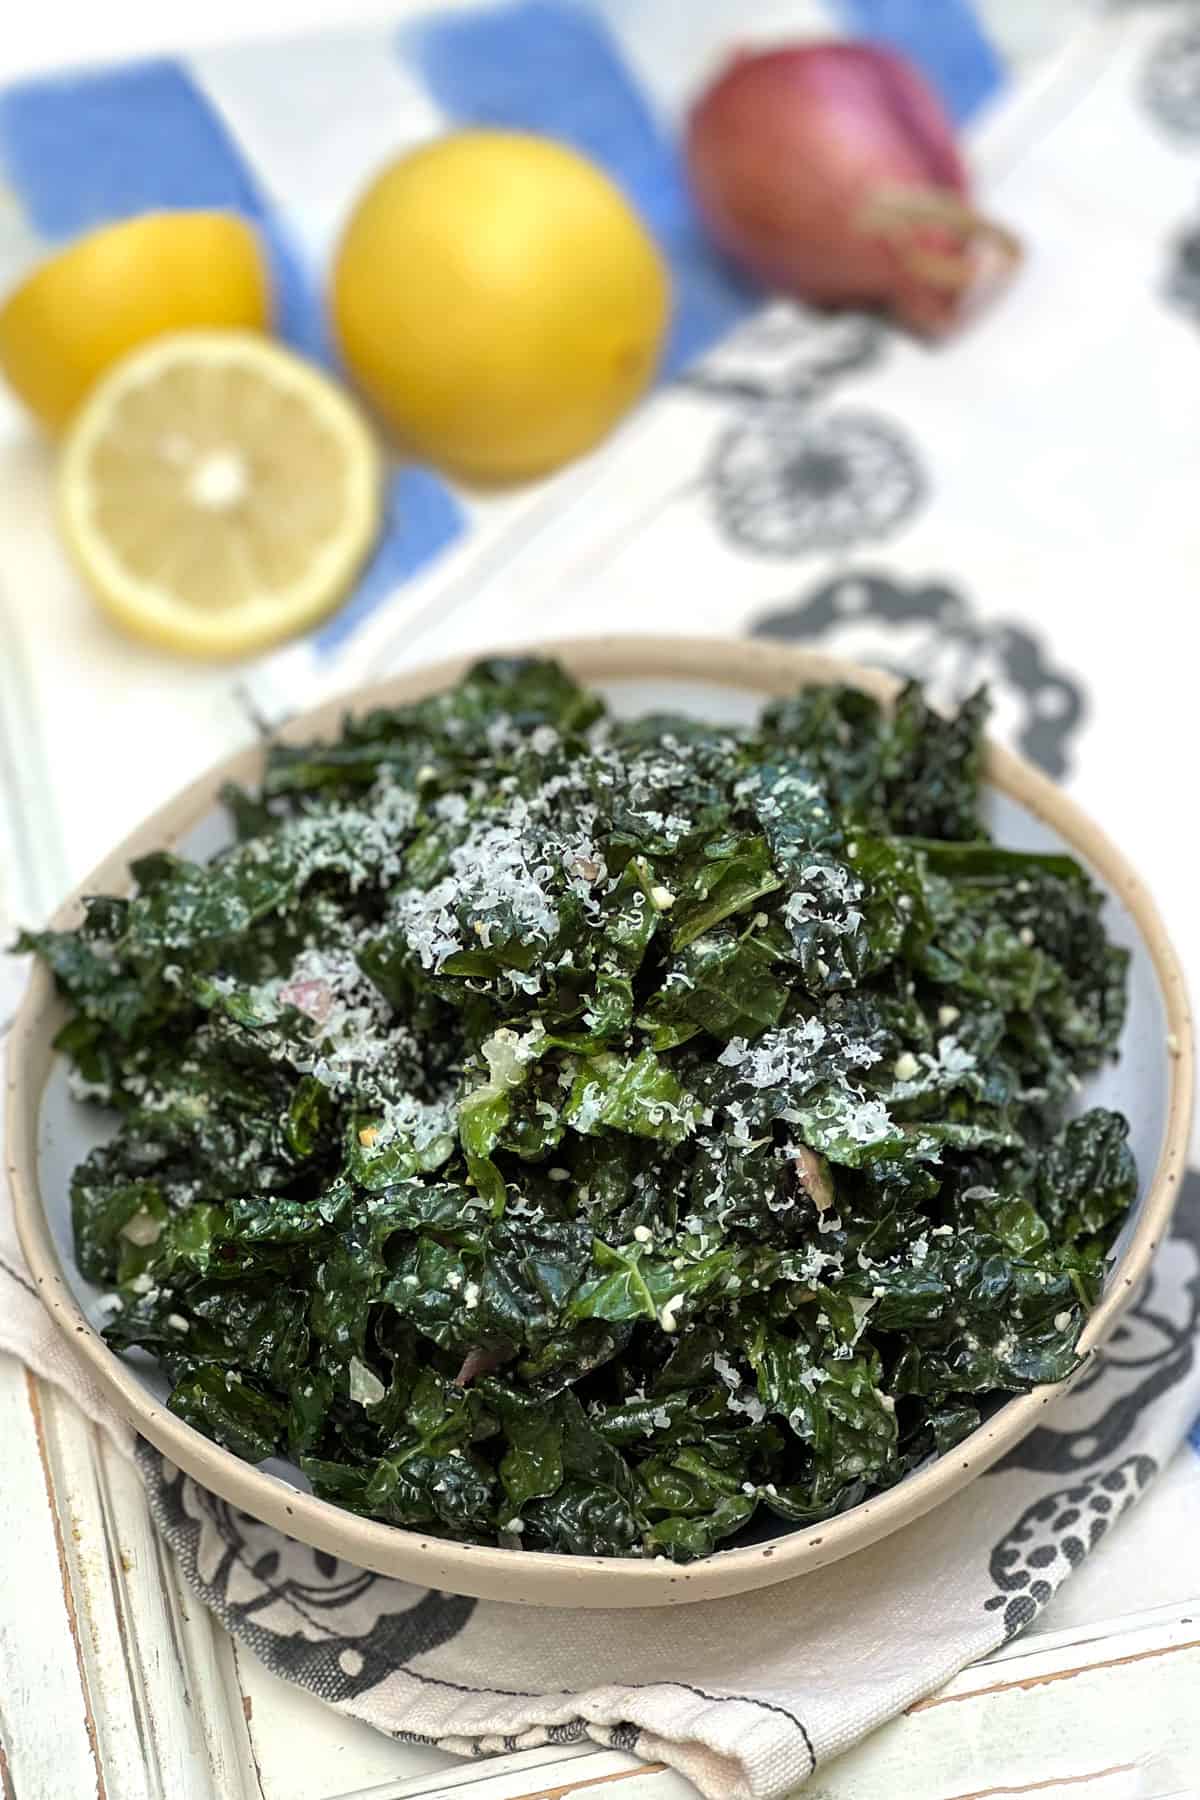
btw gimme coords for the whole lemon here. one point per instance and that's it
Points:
(119, 286)
(499, 301)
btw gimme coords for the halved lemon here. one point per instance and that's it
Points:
(218, 493)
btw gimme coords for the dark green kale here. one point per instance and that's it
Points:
(588, 1136)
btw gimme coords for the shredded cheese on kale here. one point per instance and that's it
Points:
(589, 1136)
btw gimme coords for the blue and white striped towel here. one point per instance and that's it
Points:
(287, 133)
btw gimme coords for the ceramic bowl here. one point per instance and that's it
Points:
(723, 680)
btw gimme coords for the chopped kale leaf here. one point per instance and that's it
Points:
(582, 1135)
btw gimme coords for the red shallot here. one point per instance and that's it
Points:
(830, 171)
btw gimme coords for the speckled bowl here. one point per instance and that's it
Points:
(724, 680)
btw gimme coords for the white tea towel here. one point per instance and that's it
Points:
(1018, 507)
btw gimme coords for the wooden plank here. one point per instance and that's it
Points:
(550, 1773)
(1126, 1781)
(1132, 1641)
(161, 1695)
(305, 1750)
(43, 1710)
(1050, 1722)
(1105, 1784)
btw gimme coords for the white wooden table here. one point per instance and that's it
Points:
(113, 1681)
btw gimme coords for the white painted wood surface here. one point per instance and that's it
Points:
(114, 1682)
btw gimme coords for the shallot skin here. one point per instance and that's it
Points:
(829, 170)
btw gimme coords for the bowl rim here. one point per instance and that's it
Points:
(545, 1578)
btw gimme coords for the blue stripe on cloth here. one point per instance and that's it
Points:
(421, 518)
(1194, 1437)
(552, 66)
(943, 37)
(82, 149)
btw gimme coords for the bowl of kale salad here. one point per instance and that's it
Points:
(616, 1125)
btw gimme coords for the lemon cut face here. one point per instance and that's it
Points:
(218, 493)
